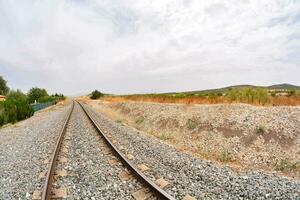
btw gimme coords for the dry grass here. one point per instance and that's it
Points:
(163, 136)
(225, 157)
(286, 165)
(139, 120)
(272, 101)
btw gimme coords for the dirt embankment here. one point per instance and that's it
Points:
(240, 135)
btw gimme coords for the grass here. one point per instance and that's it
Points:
(118, 121)
(205, 154)
(225, 156)
(254, 96)
(260, 130)
(139, 120)
(191, 124)
(286, 165)
(164, 136)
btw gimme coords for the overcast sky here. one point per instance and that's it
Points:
(130, 46)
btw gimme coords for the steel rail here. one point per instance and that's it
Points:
(46, 193)
(157, 191)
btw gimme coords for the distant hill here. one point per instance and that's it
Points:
(225, 89)
(284, 86)
(221, 90)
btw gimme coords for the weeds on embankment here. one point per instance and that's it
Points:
(260, 130)
(286, 165)
(139, 120)
(253, 96)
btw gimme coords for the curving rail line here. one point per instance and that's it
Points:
(46, 194)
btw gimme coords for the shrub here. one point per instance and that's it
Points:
(1, 120)
(248, 95)
(46, 99)
(212, 97)
(16, 95)
(164, 136)
(24, 110)
(291, 92)
(285, 165)
(273, 94)
(59, 97)
(96, 94)
(191, 124)
(140, 120)
(10, 112)
(14, 110)
(3, 87)
(118, 121)
(225, 156)
(260, 130)
(35, 94)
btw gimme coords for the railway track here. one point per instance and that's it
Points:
(48, 185)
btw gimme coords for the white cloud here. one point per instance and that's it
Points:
(148, 46)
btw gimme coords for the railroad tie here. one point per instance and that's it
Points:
(43, 174)
(143, 167)
(130, 156)
(125, 176)
(36, 195)
(188, 197)
(113, 162)
(59, 193)
(142, 194)
(162, 183)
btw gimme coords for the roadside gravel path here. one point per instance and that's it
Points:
(89, 175)
(198, 178)
(23, 148)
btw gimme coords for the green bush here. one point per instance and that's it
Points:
(191, 124)
(260, 130)
(3, 87)
(46, 99)
(291, 92)
(164, 136)
(139, 120)
(212, 97)
(1, 120)
(248, 95)
(225, 156)
(96, 94)
(35, 94)
(53, 98)
(285, 165)
(12, 111)
(16, 95)
(24, 110)
(59, 97)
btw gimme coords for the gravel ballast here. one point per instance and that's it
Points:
(198, 178)
(89, 175)
(23, 149)
(254, 137)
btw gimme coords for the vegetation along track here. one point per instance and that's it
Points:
(48, 186)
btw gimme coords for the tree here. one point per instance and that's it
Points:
(36, 93)
(16, 95)
(292, 92)
(3, 87)
(96, 94)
